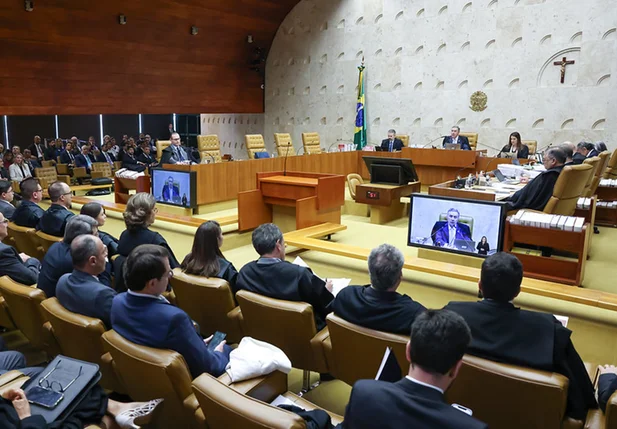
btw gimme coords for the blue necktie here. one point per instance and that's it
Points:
(391, 144)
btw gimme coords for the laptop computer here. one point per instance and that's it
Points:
(515, 161)
(452, 146)
(503, 179)
(378, 149)
(465, 245)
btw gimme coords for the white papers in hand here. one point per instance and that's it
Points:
(337, 284)
(281, 400)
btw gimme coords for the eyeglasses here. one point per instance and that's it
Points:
(4, 221)
(67, 193)
(46, 384)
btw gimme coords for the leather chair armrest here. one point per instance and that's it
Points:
(49, 339)
(6, 321)
(97, 174)
(303, 403)
(318, 350)
(327, 348)
(569, 423)
(110, 378)
(62, 169)
(64, 178)
(264, 388)
(190, 403)
(595, 420)
(80, 172)
(235, 332)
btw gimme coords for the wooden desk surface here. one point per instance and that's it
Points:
(483, 193)
(384, 186)
(290, 180)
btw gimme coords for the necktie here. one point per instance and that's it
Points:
(88, 163)
(391, 144)
(107, 157)
(181, 154)
(452, 234)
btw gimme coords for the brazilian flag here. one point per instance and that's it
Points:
(360, 134)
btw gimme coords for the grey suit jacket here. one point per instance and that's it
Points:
(81, 293)
(7, 209)
(11, 265)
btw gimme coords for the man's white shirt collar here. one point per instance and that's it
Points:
(145, 295)
(410, 378)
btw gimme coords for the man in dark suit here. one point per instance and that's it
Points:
(85, 159)
(53, 221)
(67, 156)
(81, 292)
(378, 306)
(18, 266)
(142, 315)
(29, 212)
(580, 154)
(130, 162)
(30, 161)
(569, 150)
(536, 194)
(451, 231)
(106, 155)
(391, 144)
(6, 198)
(169, 191)
(456, 138)
(37, 149)
(439, 339)
(58, 261)
(272, 276)
(591, 150)
(175, 153)
(53, 151)
(147, 158)
(505, 333)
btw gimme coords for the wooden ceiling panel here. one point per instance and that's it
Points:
(73, 57)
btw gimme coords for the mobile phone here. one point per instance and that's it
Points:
(44, 397)
(216, 340)
(463, 409)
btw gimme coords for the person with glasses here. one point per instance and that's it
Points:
(143, 315)
(175, 153)
(6, 198)
(29, 212)
(53, 221)
(18, 266)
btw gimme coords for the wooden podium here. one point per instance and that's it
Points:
(122, 186)
(315, 198)
(385, 200)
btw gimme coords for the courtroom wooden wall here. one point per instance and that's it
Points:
(72, 57)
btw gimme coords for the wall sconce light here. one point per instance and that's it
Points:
(122, 19)
(29, 5)
(249, 38)
(194, 30)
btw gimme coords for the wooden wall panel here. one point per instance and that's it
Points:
(72, 57)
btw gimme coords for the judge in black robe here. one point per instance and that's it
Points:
(273, 277)
(539, 190)
(503, 332)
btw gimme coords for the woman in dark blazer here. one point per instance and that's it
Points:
(139, 215)
(97, 212)
(515, 146)
(206, 258)
(483, 246)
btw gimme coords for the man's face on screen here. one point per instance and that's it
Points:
(452, 218)
(170, 182)
(454, 132)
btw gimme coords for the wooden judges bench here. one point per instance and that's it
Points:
(223, 181)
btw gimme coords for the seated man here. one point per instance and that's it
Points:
(142, 315)
(568, 149)
(378, 306)
(53, 221)
(18, 266)
(170, 192)
(456, 138)
(391, 144)
(31, 161)
(536, 194)
(29, 212)
(81, 291)
(58, 261)
(451, 231)
(6, 198)
(67, 156)
(439, 339)
(272, 276)
(84, 159)
(505, 333)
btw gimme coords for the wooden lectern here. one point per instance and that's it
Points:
(316, 198)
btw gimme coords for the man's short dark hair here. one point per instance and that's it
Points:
(143, 264)
(501, 277)
(5, 185)
(567, 149)
(439, 339)
(265, 238)
(82, 248)
(79, 225)
(558, 154)
(55, 191)
(384, 266)
(590, 146)
(28, 187)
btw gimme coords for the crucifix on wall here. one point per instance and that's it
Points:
(563, 63)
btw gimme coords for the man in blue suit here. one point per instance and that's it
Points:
(439, 339)
(170, 192)
(452, 230)
(18, 266)
(29, 212)
(81, 291)
(84, 159)
(391, 144)
(55, 218)
(142, 315)
(456, 138)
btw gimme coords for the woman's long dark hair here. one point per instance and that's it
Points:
(519, 143)
(203, 259)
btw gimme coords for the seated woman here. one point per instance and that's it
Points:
(97, 212)
(95, 409)
(206, 258)
(139, 215)
(516, 147)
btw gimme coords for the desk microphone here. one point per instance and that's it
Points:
(286, 155)
(335, 143)
(211, 157)
(434, 140)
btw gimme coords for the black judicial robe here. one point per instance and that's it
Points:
(504, 333)
(284, 280)
(375, 309)
(537, 193)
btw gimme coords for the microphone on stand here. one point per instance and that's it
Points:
(211, 157)
(434, 140)
(287, 147)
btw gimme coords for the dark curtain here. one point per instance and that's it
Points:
(118, 125)
(22, 129)
(80, 126)
(188, 127)
(156, 126)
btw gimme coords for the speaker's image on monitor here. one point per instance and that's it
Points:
(177, 188)
(471, 227)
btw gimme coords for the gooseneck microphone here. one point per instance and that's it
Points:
(434, 140)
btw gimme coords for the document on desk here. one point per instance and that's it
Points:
(281, 400)
(337, 284)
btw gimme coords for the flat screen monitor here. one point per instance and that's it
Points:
(176, 188)
(406, 166)
(456, 225)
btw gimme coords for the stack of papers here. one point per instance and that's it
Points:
(607, 204)
(583, 203)
(337, 284)
(281, 400)
(549, 221)
(609, 183)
